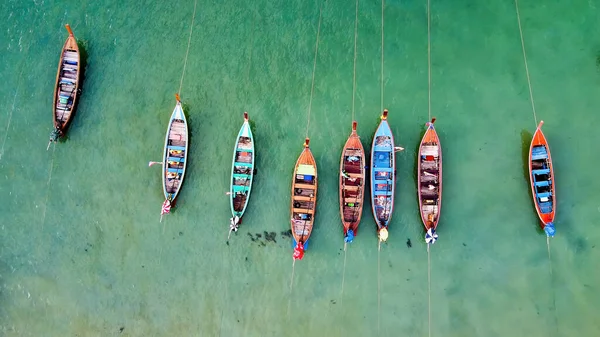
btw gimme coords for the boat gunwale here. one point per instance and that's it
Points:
(393, 174)
(231, 196)
(165, 153)
(306, 153)
(70, 39)
(354, 224)
(551, 216)
(430, 128)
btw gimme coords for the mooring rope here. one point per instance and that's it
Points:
(429, 118)
(536, 124)
(312, 86)
(354, 69)
(10, 114)
(382, 11)
(48, 186)
(379, 244)
(188, 47)
(429, 287)
(525, 60)
(353, 96)
(378, 288)
(429, 56)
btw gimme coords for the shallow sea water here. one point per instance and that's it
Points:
(82, 252)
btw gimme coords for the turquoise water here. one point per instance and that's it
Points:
(82, 252)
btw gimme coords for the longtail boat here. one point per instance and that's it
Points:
(541, 175)
(383, 176)
(304, 200)
(174, 156)
(352, 184)
(66, 87)
(242, 174)
(429, 177)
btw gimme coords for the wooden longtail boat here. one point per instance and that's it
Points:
(174, 156)
(242, 174)
(66, 87)
(383, 176)
(541, 175)
(352, 184)
(304, 200)
(429, 177)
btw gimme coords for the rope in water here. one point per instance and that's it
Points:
(429, 56)
(379, 245)
(536, 123)
(312, 86)
(525, 60)
(354, 70)
(312, 90)
(48, 186)
(429, 118)
(188, 47)
(429, 287)
(353, 96)
(10, 114)
(382, 9)
(378, 288)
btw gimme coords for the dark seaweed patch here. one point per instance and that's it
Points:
(287, 233)
(271, 236)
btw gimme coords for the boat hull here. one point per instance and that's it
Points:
(242, 171)
(66, 86)
(383, 174)
(541, 177)
(303, 203)
(352, 184)
(175, 154)
(429, 178)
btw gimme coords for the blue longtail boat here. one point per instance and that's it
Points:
(242, 174)
(383, 176)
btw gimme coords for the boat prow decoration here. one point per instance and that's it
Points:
(298, 251)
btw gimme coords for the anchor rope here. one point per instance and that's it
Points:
(188, 47)
(354, 69)
(429, 56)
(312, 86)
(525, 61)
(382, 15)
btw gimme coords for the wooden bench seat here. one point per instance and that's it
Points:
(309, 186)
(303, 198)
(350, 188)
(304, 210)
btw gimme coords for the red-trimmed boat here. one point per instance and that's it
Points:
(541, 175)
